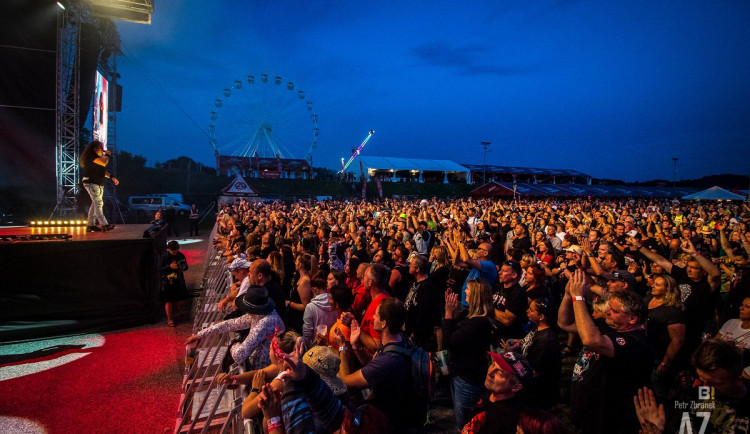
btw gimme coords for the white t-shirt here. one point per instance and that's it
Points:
(244, 286)
(732, 331)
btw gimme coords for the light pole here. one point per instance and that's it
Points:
(674, 172)
(485, 145)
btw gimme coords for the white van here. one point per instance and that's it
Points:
(144, 207)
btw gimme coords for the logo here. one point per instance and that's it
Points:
(620, 341)
(705, 392)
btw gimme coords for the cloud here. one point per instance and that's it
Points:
(469, 59)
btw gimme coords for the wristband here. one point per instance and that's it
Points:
(234, 380)
(274, 426)
(342, 348)
(274, 420)
(255, 389)
(577, 298)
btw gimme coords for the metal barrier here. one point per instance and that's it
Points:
(204, 405)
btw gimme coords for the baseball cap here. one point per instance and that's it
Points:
(624, 276)
(513, 363)
(575, 249)
(239, 263)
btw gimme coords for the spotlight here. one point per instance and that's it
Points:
(60, 5)
(65, 222)
(59, 222)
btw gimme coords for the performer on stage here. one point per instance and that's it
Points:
(92, 161)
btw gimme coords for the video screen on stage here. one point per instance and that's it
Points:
(99, 125)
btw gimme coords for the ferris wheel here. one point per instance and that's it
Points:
(263, 114)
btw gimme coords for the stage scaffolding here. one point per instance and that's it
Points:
(67, 113)
(68, 120)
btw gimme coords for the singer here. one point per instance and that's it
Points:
(93, 161)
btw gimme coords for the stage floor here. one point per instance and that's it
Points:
(76, 233)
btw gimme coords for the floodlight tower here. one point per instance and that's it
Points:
(485, 145)
(674, 172)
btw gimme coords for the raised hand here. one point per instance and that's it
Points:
(294, 368)
(259, 379)
(269, 401)
(451, 303)
(577, 284)
(356, 332)
(651, 417)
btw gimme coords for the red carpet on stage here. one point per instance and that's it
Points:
(128, 384)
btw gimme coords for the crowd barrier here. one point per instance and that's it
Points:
(205, 406)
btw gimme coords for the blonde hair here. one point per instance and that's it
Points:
(672, 296)
(441, 256)
(277, 263)
(480, 298)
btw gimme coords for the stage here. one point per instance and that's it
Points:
(62, 279)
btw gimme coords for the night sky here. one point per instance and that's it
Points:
(612, 89)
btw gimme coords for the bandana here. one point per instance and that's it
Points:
(275, 348)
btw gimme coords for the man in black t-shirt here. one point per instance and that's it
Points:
(422, 305)
(510, 301)
(388, 372)
(613, 363)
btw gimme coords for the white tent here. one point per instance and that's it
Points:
(238, 189)
(714, 193)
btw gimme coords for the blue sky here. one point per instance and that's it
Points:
(612, 89)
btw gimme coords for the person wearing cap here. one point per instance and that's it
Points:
(239, 269)
(500, 407)
(613, 363)
(480, 266)
(262, 321)
(621, 280)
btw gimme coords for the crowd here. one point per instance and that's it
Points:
(651, 298)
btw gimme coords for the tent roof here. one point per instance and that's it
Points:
(714, 193)
(567, 190)
(238, 187)
(492, 189)
(525, 170)
(388, 163)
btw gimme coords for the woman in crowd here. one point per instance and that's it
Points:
(467, 337)
(536, 283)
(737, 330)
(545, 253)
(306, 266)
(541, 347)
(666, 332)
(350, 268)
(281, 344)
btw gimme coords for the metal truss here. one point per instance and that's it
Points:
(67, 113)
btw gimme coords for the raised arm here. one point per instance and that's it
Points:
(590, 335)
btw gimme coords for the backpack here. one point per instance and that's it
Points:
(421, 381)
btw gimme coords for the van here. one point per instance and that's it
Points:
(144, 207)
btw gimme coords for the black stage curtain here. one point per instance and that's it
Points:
(58, 287)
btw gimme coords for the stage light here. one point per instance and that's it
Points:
(65, 222)
(59, 222)
(61, 5)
